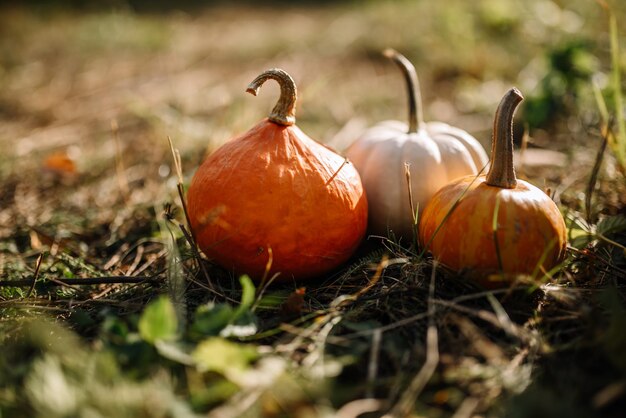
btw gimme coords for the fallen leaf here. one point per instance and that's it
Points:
(60, 164)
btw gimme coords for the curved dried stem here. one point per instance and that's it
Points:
(502, 172)
(284, 113)
(416, 117)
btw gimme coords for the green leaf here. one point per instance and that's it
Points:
(211, 318)
(581, 241)
(158, 321)
(243, 321)
(611, 225)
(272, 300)
(247, 295)
(203, 397)
(221, 356)
(222, 319)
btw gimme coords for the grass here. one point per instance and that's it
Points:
(154, 329)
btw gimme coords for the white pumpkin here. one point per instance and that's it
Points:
(436, 153)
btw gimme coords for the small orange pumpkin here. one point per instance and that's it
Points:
(495, 224)
(275, 197)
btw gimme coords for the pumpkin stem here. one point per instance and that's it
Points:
(284, 113)
(416, 117)
(502, 172)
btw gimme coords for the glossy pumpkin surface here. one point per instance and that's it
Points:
(495, 223)
(273, 197)
(529, 227)
(434, 152)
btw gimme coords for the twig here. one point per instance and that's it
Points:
(359, 407)
(149, 262)
(384, 328)
(35, 275)
(467, 408)
(84, 281)
(500, 312)
(136, 261)
(382, 265)
(617, 272)
(510, 328)
(478, 295)
(314, 361)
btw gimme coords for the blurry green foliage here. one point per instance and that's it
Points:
(613, 98)
(47, 371)
(608, 228)
(220, 355)
(569, 69)
(498, 16)
(210, 319)
(158, 321)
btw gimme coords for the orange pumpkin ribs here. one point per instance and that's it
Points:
(274, 200)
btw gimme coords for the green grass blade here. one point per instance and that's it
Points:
(620, 145)
(601, 103)
(494, 229)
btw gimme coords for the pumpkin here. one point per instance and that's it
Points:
(436, 153)
(495, 226)
(274, 199)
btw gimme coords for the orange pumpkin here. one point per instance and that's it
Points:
(275, 197)
(493, 224)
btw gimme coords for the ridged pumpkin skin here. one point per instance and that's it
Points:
(529, 224)
(529, 233)
(274, 187)
(436, 153)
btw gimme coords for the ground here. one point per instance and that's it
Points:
(126, 318)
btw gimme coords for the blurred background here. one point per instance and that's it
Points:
(69, 68)
(90, 91)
